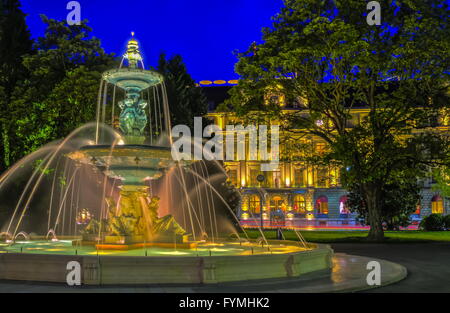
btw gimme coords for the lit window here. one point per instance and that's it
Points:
(254, 204)
(320, 148)
(277, 203)
(437, 205)
(343, 209)
(322, 205)
(232, 177)
(299, 178)
(299, 204)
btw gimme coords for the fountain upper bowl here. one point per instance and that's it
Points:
(133, 78)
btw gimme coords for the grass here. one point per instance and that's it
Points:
(404, 236)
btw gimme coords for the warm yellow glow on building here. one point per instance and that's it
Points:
(437, 205)
(295, 188)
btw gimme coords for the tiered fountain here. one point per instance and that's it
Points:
(134, 221)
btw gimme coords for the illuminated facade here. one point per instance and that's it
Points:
(300, 194)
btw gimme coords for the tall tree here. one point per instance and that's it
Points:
(15, 42)
(186, 100)
(61, 91)
(324, 55)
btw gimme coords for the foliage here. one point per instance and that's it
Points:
(186, 100)
(446, 222)
(232, 195)
(223, 107)
(443, 181)
(61, 89)
(432, 222)
(38, 165)
(399, 201)
(15, 42)
(324, 56)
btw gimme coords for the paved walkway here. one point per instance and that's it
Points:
(428, 264)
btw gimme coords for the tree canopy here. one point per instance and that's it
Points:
(60, 90)
(15, 42)
(186, 100)
(324, 55)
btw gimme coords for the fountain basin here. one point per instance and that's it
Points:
(167, 266)
(132, 163)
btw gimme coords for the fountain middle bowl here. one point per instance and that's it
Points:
(132, 163)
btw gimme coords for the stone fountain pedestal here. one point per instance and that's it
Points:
(134, 223)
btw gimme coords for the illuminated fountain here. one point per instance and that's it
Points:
(134, 219)
(127, 235)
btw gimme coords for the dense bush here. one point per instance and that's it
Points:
(433, 222)
(446, 220)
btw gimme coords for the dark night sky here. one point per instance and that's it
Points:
(204, 32)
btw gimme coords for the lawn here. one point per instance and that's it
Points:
(403, 236)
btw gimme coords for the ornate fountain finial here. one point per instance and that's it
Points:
(133, 80)
(133, 54)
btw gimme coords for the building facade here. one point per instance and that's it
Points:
(298, 194)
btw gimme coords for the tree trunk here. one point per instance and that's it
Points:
(372, 194)
(4, 153)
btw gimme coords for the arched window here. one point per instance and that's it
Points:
(437, 205)
(322, 205)
(254, 204)
(299, 204)
(277, 203)
(343, 208)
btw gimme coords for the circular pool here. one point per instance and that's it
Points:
(209, 262)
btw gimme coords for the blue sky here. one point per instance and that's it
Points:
(204, 32)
